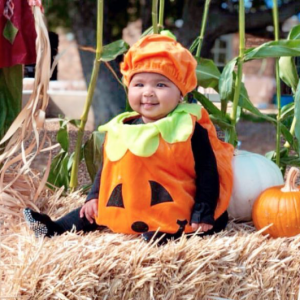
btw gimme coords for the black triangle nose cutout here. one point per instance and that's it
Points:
(159, 194)
(116, 198)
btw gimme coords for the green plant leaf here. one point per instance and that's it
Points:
(112, 50)
(207, 104)
(75, 122)
(274, 49)
(290, 161)
(93, 153)
(70, 161)
(208, 74)
(245, 103)
(287, 111)
(284, 152)
(63, 175)
(271, 155)
(288, 70)
(297, 115)
(59, 174)
(10, 96)
(227, 127)
(288, 137)
(226, 81)
(62, 138)
(294, 33)
(224, 124)
(63, 122)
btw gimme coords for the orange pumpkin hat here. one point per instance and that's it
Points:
(161, 54)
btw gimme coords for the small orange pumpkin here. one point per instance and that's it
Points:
(280, 206)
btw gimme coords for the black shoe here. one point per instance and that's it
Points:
(40, 224)
(161, 238)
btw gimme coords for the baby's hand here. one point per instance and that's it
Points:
(203, 227)
(89, 210)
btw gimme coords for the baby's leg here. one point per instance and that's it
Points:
(42, 225)
(73, 219)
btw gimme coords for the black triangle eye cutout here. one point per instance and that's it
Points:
(159, 194)
(116, 198)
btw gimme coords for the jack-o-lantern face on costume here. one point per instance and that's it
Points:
(159, 195)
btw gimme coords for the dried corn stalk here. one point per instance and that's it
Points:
(19, 186)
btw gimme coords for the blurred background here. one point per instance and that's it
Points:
(72, 26)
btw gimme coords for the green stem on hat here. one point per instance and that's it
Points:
(89, 99)
(233, 115)
(203, 26)
(154, 16)
(278, 90)
(161, 14)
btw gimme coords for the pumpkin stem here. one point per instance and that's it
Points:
(290, 184)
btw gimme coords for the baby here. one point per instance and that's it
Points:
(159, 176)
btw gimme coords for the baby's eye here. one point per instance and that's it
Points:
(139, 85)
(161, 84)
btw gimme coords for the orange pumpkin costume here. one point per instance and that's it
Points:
(155, 190)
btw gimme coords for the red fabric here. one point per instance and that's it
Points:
(22, 51)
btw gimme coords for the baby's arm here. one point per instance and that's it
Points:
(94, 192)
(207, 181)
(90, 208)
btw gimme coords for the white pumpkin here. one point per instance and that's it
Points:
(252, 174)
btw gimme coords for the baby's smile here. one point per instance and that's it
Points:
(149, 105)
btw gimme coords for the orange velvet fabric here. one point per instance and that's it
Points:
(172, 166)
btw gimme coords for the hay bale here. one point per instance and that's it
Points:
(238, 263)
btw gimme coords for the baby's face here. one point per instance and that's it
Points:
(152, 95)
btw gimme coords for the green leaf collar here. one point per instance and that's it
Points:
(143, 139)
